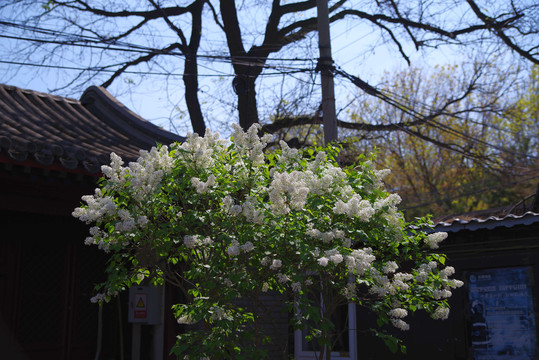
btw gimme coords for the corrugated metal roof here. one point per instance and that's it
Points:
(491, 222)
(72, 134)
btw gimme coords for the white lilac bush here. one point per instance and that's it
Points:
(223, 221)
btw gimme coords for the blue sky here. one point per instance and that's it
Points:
(356, 48)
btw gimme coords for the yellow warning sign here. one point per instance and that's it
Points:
(140, 303)
(140, 310)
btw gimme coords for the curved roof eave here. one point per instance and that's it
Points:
(492, 222)
(61, 133)
(102, 104)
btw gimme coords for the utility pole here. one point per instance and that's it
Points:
(325, 65)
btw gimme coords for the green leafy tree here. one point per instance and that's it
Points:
(227, 221)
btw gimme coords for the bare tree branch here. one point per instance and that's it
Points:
(140, 60)
(497, 28)
(148, 15)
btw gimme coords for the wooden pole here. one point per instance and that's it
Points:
(325, 64)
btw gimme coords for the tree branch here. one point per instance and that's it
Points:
(497, 26)
(140, 60)
(150, 14)
(420, 25)
(171, 25)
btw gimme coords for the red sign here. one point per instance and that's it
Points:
(141, 302)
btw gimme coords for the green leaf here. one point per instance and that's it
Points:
(392, 344)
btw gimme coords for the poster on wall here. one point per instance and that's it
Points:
(502, 315)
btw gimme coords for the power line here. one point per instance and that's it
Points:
(115, 45)
(122, 46)
(246, 60)
(97, 69)
(101, 69)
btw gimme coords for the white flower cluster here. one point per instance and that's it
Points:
(441, 313)
(127, 222)
(193, 241)
(197, 152)
(445, 292)
(379, 176)
(96, 233)
(288, 155)
(383, 286)
(201, 186)
(282, 278)
(287, 191)
(400, 324)
(98, 298)
(396, 315)
(99, 238)
(235, 248)
(249, 144)
(333, 256)
(330, 178)
(400, 281)
(350, 291)
(115, 173)
(446, 273)
(439, 294)
(323, 261)
(389, 206)
(424, 271)
(328, 236)
(229, 207)
(276, 264)
(103, 297)
(355, 207)
(433, 240)
(146, 173)
(247, 247)
(390, 267)
(296, 287)
(186, 320)
(218, 313)
(391, 201)
(98, 207)
(359, 261)
(250, 211)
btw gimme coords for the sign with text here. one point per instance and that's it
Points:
(502, 314)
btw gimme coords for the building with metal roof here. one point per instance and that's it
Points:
(495, 315)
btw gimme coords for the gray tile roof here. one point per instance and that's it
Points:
(457, 223)
(50, 131)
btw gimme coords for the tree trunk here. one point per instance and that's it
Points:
(247, 66)
(190, 74)
(190, 80)
(245, 89)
